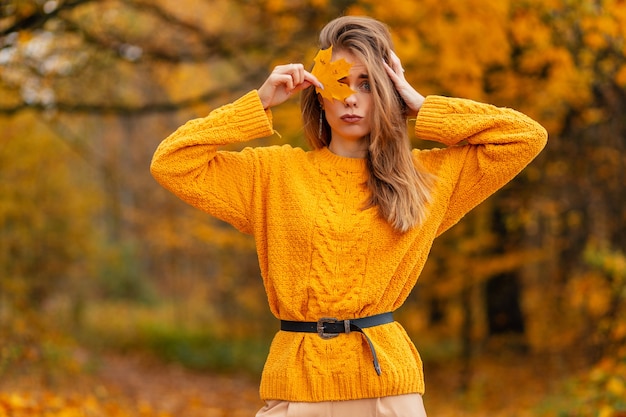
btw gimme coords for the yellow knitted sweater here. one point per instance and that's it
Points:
(320, 254)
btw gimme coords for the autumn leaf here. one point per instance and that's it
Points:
(329, 73)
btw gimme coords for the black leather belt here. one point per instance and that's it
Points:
(328, 327)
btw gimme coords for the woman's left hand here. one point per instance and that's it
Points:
(411, 97)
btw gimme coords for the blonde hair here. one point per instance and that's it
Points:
(399, 188)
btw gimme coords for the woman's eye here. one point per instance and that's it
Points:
(364, 86)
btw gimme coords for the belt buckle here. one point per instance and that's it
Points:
(320, 327)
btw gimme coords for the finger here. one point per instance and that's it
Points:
(391, 72)
(396, 64)
(290, 69)
(300, 87)
(306, 80)
(297, 72)
(313, 80)
(286, 80)
(293, 78)
(281, 80)
(397, 77)
(395, 60)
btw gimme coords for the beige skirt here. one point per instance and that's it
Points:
(409, 405)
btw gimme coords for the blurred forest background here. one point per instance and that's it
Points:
(525, 299)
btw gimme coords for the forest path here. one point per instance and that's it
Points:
(500, 387)
(508, 388)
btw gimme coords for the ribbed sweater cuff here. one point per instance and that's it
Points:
(250, 118)
(431, 118)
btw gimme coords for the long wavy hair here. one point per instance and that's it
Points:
(399, 187)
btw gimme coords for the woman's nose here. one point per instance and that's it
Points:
(350, 101)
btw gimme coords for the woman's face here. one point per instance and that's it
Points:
(349, 120)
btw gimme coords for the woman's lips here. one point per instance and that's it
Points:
(351, 118)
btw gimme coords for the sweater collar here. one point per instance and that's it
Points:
(340, 163)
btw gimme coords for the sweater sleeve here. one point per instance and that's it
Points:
(486, 147)
(188, 164)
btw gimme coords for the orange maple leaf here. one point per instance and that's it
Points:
(329, 73)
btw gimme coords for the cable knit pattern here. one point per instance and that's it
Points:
(320, 253)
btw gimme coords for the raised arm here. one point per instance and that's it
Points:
(487, 146)
(188, 162)
(222, 183)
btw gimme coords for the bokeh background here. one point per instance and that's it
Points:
(116, 299)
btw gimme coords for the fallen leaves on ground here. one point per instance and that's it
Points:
(125, 386)
(20, 404)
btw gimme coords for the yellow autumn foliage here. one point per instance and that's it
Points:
(86, 96)
(48, 404)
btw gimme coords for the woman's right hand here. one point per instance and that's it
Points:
(283, 82)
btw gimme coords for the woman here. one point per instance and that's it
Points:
(342, 231)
